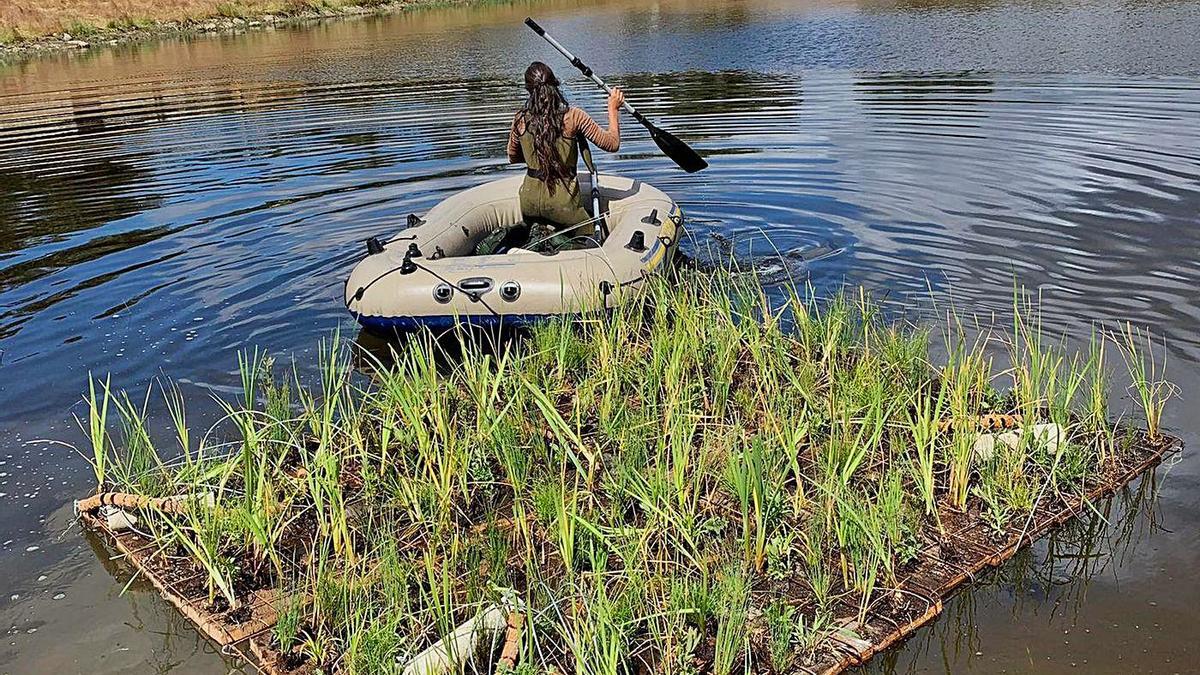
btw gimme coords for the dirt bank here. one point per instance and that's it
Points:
(57, 25)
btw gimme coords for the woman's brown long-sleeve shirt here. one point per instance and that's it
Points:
(574, 121)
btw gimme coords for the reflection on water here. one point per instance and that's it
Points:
(162, 206)
(1047, 584)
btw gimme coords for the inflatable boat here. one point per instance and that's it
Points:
(429, 275)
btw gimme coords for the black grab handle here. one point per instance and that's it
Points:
(534, 25)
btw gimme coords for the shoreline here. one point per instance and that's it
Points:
(116, 33)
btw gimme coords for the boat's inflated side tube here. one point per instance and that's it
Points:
(427, 276)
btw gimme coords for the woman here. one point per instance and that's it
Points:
(543, 136)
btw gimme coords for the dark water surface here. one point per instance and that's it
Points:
(163, 206)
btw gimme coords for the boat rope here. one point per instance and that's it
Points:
(474, 296)
(666, 241)
(358, 295)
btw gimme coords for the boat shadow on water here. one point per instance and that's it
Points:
(379, 350)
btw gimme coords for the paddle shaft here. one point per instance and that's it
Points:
(583, 68)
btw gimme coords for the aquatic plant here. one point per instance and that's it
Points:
(923, 421)
(708, 473)
(1147, 381)
(97, 428)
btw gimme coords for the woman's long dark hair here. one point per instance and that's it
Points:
(543, 114)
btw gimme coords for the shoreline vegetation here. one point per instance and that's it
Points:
(84, 24)
(705, 481)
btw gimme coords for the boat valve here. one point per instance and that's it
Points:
(637, 242)
(443, 292)
(373, 246)
(510, 291)
(413, 251)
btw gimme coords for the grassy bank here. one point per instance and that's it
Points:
(77, 23)
(704, 481)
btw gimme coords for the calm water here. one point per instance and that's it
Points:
(163, 206)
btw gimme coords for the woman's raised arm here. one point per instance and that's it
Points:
(608, 139)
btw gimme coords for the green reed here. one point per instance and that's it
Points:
(1147, 376)
(730, 646)
(966, 376)
(747, 475)
(923, 423)
(97, 428)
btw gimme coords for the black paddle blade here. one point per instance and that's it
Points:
(679, 152)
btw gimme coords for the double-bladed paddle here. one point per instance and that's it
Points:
(681, 153)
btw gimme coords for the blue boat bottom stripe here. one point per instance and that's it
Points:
(442, 322)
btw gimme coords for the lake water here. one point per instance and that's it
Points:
(164, 205)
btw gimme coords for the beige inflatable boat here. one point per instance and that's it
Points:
(428, 274)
